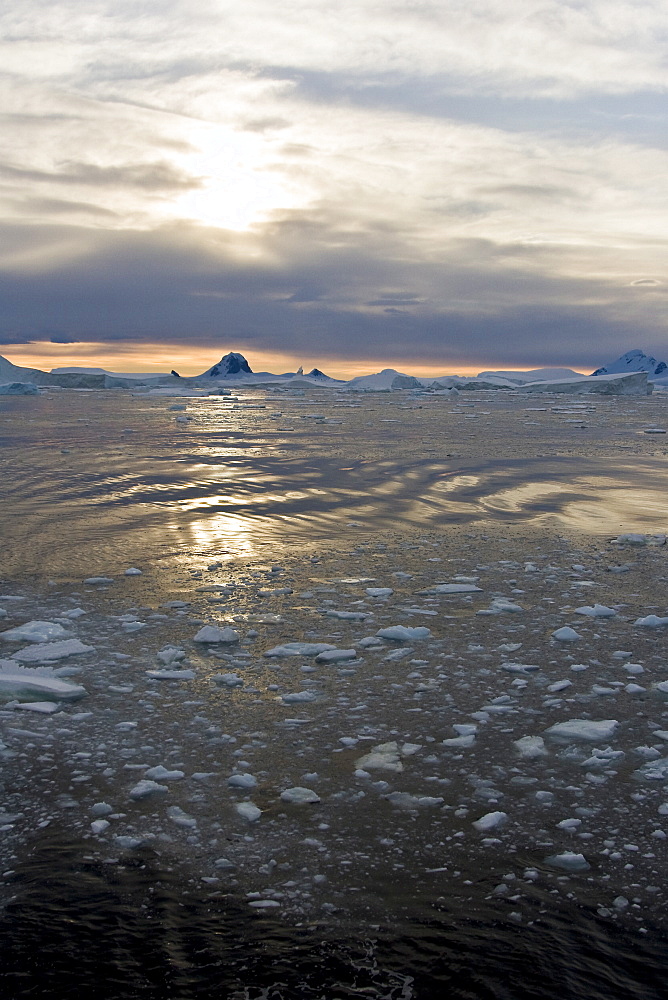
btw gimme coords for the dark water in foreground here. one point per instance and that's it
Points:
(128, 930)
(93, 484)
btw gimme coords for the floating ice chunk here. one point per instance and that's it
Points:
(369, 641)
(379, 591)
(133, 571)
(146, 787)
(559, 686)
(570, 825)
(228, 680)
(181, 818)
(601, 757)
(242, 781)
(651, 621)
(334, 655)
(520, 668)
(299, 649)
(98, 579)
(509, 647)
(568, 861)
(399, 654)
(490, 821)
(248, 810)
(404, 633)
(211, 633)
(101, 809)
(452, 588)
(384, 757)
(224, 863)
(584, 729)
(353, 616)
(277, 592)
(530, 747)
(404, 800)
(100, 825)
(500, 605)
(596, 611)
(661, 687)
(50, 651)
(161, 773)
(35, 632)
(298, 696)
(460, 741)
(43, 707)
(270, 904)
(170, 654)
(300, 796)
(566, 634)
(630, 538)
(34, 684)
(653, 770)
(409, 749)
(171, 675)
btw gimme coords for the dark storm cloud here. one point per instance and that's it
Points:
(185, 284)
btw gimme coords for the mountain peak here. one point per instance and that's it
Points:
(633, 361)
(229, 364)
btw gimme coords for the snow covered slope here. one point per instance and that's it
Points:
(535, 375)
(634, 361)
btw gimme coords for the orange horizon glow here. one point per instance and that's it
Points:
(155, 358)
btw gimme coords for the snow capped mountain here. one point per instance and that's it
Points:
(634, 361)
(230, 364)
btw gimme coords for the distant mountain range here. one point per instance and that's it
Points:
(233, 368)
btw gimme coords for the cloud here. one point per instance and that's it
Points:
(433, 178)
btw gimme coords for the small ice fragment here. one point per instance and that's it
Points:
(170, 654)
(404, 800)
(146, 787)
(369, 641)
(101, 809)
(35, 684)
(384, 757)
(211, 633)
(181, 818)
(299, 649)
(171, 675)
(300, 796)
(334, 655)
(404, 633)
(566, 634)
(242, 781)
(596, 611)
(568, 861)
(353, 616)
(490, 821)
(227, 680)
(98, 579)
(651, 621)
(248, 810)
(530, 747)
(298, 696)
(160, 773)
(224, 863)
(379, 591)
(584, 729)
(49, 651)
(559, 686)
(133, 571)
(451, 588)
(460, 741)
(100, 825)
(36, 631)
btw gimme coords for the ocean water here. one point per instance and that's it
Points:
(275, 515)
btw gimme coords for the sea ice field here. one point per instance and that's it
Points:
(307, 694)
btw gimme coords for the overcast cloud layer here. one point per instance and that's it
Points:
(424, 179)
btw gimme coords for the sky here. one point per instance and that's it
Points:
(441, 185)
